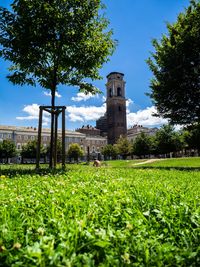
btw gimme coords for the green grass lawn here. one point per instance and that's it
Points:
(104, 216)
(122, 163)
(178, 162)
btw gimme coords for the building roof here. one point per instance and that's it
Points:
(115, 72)
(87, 127)
(34, 129)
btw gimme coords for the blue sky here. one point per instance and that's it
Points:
(135, 23)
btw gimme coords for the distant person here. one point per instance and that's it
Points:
(97, 163)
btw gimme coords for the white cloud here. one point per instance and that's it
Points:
(83, 97)
(32, 112)
(103, 98)
(129, 102)
(75, 118)
(85, 113)
(92, 113)
(145, 118)
(49, 94)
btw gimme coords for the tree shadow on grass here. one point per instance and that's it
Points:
(168, 168)
(13, 171)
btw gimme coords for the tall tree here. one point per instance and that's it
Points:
(167, 140)
(7, 149)
(192, 137)
(175, 88)
(53, 42)
(29, 150)
(124, 147)
(75, 152)
(110, 151)
(142, 145)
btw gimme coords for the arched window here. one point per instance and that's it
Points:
(119, 91)
(110, 92)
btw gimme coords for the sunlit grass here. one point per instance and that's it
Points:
(178, 162)
(104, 216)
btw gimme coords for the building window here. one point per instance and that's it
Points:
(9, 136)
(119, 108)
(110, 92)
(18, 146)
(119, 91)
(25, 137)
(32, 137)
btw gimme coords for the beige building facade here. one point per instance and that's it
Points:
(136, 130)
(22, 135)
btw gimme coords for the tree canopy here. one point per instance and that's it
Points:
(142, 145)
(175, 63)
(55, 42)
(7, 149)
(110, 151)
(167, 140)
(191, 137)
(124, 147)
(75, 152)
(29, 150)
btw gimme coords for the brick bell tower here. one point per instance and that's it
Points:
(116, 107)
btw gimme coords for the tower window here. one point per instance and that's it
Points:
(110, 92)
(119, 91)
(119, 108)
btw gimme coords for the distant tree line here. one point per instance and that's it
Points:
(29, 151)
(166, 141)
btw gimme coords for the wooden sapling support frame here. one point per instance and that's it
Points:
(55, 112)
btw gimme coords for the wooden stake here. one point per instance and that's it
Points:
(39, 139)
(52, 140)
(56, 136)
(63, 137)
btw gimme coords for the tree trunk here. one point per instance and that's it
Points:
(51, 160)
(55, 140)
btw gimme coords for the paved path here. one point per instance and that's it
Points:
(146, 161)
